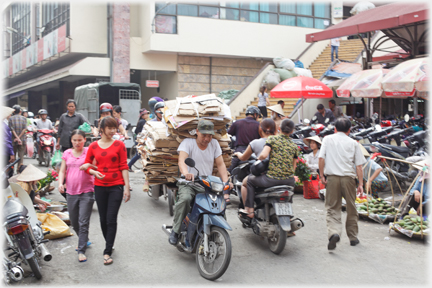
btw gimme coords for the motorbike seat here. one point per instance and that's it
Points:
(13, 209)
(397, 149)
(272, 189)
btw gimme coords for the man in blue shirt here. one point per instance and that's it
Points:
(416, 191)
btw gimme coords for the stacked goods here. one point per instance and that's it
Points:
(159, 140)
(182, 116)
(412, 226)
(377, 209)
(158, 153)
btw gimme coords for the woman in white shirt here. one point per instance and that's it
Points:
(314, 143)
(263, 101)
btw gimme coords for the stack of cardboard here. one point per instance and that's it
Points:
(159, 141)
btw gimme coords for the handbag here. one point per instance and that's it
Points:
(259, 167)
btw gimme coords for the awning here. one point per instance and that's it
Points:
(15, 95)
(382, 17)
(90, 66)
(399, 54)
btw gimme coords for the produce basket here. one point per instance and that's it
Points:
(411, 226)
(377, 210)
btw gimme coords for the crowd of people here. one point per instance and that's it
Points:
(99, 173)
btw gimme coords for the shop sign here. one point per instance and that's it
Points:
(337, 9)
(152, 83)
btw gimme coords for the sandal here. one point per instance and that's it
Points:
(107, 259)
(245, 213)
(82, 257)
(227, 201)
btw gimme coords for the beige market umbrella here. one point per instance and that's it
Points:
(364, 84)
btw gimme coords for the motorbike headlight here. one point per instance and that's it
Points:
(47, 142)
(217, 187)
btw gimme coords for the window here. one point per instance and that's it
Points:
(187, 10)
(21, 23)
(55, 15)
(229, 14)
(301, 14)
(166, 24)
(208, 12)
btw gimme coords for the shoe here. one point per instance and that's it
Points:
(173, 238)
(130, 170)
(354, 242)
(332, 241)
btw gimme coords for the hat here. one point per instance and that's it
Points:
(206, 127)
(364, 151)
(6, 111)
(314, 138)
(143, 111)
(277, 108)
(31, 173)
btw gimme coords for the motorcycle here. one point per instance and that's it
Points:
(273, 210)
(203, 231)
(46, 142)
(30, 142)
(23, 232)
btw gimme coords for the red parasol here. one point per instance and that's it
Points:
(301, 87)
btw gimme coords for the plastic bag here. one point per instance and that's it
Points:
(30, 147)
(303, 72)
(311, 189)
(56, 159)
(284, 63)
(284, 73)
(85, 127)
(55, 225)
(271, 80)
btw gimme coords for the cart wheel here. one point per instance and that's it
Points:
(171, 202)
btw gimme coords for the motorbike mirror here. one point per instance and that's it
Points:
(326, 120)
(314, 118)
(378, 127)
(190, 162)
(306, 121)
(406, 117)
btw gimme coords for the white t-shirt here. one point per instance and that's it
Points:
(204, 159)
(257, 146)
(335, 42)
(262, 99)
(312, 160)
(124, 123)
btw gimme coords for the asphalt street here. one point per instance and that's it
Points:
(143, 256)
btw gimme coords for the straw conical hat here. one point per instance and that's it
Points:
(314, 138)
(31, 173)
(277, 108)
(6, 111)
(364, 151)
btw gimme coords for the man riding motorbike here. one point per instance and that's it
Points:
(43, 123)
(106, 109)
(205, 151)
(158, 111)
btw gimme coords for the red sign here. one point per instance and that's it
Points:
(61, 39)
(40, 52)
(152, 83)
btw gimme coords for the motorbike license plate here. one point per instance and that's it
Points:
(283, 208)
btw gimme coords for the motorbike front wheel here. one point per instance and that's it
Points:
(47, 158)
(171, 202)
(214, 265)
(277, 243)
(34, 265)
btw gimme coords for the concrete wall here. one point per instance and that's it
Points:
(226, 73)
(150, 61)
(88, 27)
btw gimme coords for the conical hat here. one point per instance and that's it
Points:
(31, 173)
(314, 138)
(364, 151)
(6, 111)
(277, 108)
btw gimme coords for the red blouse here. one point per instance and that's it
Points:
(110, 162)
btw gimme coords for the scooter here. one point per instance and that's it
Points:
(46, 142)
(203, 231)
(23, 231)
(274, 215)
(30, 143)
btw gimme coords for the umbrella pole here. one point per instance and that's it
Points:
(380, 109)
(415, 103)
(302, 110)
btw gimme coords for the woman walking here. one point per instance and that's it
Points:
(263, 101)
(144, 115)
(80, 190)
(112, 180)
(117, 113)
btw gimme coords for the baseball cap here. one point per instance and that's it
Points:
(206, 127)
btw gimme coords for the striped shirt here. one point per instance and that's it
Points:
(18, 123)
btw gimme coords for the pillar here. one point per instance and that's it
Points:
(121, 44)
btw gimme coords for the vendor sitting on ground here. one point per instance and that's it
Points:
(28, 179)
(314, 143)
(375, 180)
(422, 180)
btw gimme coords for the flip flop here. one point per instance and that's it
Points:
(106, 261)
(88, 244)
(227, 201)
(80, 255)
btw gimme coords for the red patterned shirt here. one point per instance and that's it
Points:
(110, 162)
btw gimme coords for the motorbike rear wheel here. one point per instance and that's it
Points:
(219, 254)
(277, 245)
(47, 158)
(34, 265)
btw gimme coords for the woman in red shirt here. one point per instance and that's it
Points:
(111, 179)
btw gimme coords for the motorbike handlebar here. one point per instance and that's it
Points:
(11, 164)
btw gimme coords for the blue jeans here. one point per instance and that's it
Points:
(334, 49)
(134, 159)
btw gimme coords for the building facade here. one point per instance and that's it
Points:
(49, 49)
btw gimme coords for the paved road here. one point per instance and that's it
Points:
(143, 256)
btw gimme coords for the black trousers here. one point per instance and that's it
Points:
(108, 200)
(235, 160)
(263, 110)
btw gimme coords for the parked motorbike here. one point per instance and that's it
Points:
(203, 231)
(273, 210)
(24, 234)
(46, 143)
